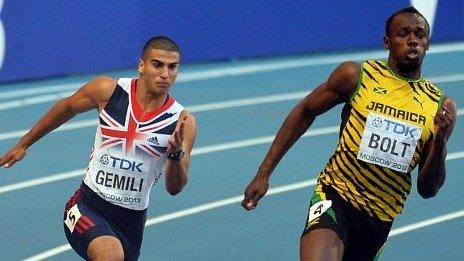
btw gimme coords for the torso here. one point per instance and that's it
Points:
(384, 129)
(129, 152)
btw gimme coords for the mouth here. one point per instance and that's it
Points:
(413, 54)
(163, 84)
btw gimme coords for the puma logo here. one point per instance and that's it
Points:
(420, 103)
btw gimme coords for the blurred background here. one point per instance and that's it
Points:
(40, 39)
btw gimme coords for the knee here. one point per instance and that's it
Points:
(105, 248)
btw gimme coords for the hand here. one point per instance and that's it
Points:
(15, 154)
(255, 191)
(177, 137)
(444, 121)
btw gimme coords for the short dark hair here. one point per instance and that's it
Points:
(406, 10)
(160, 42)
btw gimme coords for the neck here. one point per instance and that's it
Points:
(409, 71)
(148, 99)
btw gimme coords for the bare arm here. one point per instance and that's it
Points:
(183, 136)
(90, 96)
(432, 171)
(337, 89)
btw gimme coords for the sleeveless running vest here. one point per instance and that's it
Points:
(390, 119)
(129, 152)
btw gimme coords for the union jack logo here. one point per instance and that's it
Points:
(130, 135)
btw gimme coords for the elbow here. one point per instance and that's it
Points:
(175, 189)
(427, 195)
(429, 188)
(427, 192)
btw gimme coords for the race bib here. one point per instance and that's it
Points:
(388, 142)
(120, 179)
(72, 216)
(318, 209)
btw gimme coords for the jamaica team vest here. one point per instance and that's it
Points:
(129, 152)
(389, 121)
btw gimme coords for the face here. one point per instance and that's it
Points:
(407, 41)
(158, 69)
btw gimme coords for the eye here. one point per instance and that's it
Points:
(173, 66)
(420, 34)
(157, 65)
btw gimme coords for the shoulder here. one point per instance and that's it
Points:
(188, 116)
(431, 85)
(104, 82)
(100, 83)
(347, 72)
(349, 68)
(190, 121)
(344, 79)
(449, 103)
(99, 89)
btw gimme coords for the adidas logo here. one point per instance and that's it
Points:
(153, 140)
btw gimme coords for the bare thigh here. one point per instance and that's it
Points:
(321, 244)
(105, 248)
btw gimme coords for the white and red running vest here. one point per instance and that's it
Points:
(128, 156)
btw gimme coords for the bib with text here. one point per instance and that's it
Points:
(120, 179)
(388, 142)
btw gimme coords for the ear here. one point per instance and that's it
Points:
(386, 42)
(141, 65)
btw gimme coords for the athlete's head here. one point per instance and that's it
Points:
(407, 10)
(407, 37)
(159, 64)
(161, 43)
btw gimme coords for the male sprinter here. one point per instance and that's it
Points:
(392, 121)
(142, 133)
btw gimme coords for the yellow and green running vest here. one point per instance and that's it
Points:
(389, 121)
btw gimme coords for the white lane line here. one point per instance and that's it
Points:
(248, 101)
(65, 127)
(40, 181)
(447, 78)
(234, 200)
(221, 105)
(199, 151)
(196, 151)
(195, 108)
(426, 223)
(40, 90)
(250, 68)
(47, 254)
(221, 73)
(33, 100)
(259, 141)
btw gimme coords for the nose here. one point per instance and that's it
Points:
(164, 72)
(412, 39)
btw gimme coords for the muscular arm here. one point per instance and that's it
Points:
(337, 89)
(432, 170)
(90, 96)
(184, 135)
